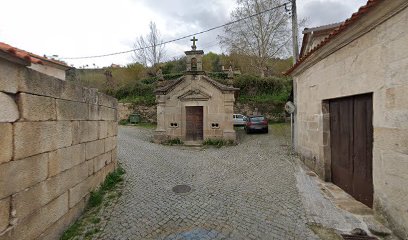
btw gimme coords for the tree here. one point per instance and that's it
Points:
(151, 47)
(177, 65)
(211, 62)
(262, 37)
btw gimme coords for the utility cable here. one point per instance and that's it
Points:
(184, 37)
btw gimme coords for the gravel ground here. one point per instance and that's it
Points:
(248, 191)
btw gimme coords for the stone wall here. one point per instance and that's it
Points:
(377, 63)
(147, 113)
(273, 112)
(57, 143)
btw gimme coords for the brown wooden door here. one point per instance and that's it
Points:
(194, 123)
(351, 140)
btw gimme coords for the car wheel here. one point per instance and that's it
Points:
(266, 131)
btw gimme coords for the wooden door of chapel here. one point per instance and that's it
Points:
(194, 123)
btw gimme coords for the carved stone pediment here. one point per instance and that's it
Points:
(194, 95)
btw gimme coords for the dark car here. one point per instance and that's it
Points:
(256, 123)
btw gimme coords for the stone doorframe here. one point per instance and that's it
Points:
(325, 149)
(183, 117)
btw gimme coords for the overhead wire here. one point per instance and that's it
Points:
(180, 38)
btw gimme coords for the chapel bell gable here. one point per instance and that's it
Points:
(194, 58)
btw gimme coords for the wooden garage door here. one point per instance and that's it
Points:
(351, 136)
(194, 123)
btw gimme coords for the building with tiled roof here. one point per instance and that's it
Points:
(313, 36)
(351, 98)
(38, 63)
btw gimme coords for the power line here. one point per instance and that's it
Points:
(181, 38)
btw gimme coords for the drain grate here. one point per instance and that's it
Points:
(182, 189)
(357, 237)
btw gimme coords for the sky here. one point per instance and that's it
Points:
(77, 28)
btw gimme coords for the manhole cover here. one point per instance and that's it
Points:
(182, 189)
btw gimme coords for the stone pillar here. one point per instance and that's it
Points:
(160, 132)
(229, 132)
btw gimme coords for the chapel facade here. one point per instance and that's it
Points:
(194, 107)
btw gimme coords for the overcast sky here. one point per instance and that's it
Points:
(78, 28)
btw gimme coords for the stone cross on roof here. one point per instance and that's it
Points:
(194, 39)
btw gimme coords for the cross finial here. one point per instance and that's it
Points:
(194, 47)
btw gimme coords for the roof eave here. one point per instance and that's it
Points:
(349, 31)
(12, 58)
(56, 65)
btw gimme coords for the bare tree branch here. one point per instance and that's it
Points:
(151, 51)
(262, 37)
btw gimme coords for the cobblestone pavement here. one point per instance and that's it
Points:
(248, 191)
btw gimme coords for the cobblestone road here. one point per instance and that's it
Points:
(246, 191)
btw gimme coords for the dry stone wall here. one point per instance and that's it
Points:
(274, 112)
(147, 113)
(57, 143)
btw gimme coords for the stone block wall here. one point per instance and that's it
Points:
(147, 113)
(273, 112)
(57, 143)
(377, 63)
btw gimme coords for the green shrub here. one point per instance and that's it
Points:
(149, 80)
(172, 76)
(96, 220)
(112, 179)
(264, 98)
(72, 231)
(95, 199)
(250, 85)
(91, 232)
(123, 122)
(173, 141)
(148, 100)
(218, 142)
(218, 75)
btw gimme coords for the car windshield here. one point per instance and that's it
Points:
(257, 119)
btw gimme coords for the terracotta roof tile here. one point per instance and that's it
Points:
(354, 17)
(27, 56)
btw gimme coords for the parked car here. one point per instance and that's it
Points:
(256, 123)
(239, 119)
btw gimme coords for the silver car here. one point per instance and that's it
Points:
(239, 119)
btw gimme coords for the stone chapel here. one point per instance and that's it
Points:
(194, 107)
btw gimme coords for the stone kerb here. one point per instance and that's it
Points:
(58, 142)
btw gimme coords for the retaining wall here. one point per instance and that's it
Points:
(57, 143)
(273, 112)
(147, 113)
